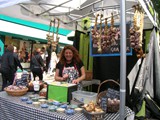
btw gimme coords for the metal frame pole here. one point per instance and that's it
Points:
(122, 59)
(54, 7)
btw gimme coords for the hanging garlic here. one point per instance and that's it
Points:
(95, 34)
(136, 33)
(106, 27)
(50, 37)
(112, 21)
(100, 37)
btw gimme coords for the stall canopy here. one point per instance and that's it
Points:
(28, 30)
(70, 12)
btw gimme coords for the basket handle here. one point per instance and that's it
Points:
(109, 80)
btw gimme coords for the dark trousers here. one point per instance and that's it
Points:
(7, 79)
(47, 63)
(37, 72)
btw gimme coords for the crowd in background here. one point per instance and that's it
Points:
(42, 61)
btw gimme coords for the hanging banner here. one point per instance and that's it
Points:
(113, 49)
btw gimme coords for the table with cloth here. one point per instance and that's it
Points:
(12, 108)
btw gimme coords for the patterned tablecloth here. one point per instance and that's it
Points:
(12, 108)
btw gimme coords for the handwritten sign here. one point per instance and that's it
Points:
(113, 49)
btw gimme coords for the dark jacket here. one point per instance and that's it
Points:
(17, 62)
(36, 61)
(7, 65)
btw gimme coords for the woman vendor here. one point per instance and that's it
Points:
(70, 68)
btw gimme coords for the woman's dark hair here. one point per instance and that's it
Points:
(76, 57)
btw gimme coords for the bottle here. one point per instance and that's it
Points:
(79, 88)
(36, 85)
(31, 77)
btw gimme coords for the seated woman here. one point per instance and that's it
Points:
(70, 68)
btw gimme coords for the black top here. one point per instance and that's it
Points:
(7, 63)
(37, 61)
(17, 62)
(61, 66)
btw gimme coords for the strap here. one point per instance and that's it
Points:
(36, 60)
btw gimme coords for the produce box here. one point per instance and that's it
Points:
(84, 96)
(60, 91)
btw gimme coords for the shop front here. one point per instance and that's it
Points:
(19, 32)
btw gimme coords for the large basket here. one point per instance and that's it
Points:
(103, 93)
(16, 92)
(94, 116)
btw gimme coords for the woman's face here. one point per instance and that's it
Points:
(68, 54)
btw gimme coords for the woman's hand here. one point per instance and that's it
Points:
(65, 76)
(75, 81)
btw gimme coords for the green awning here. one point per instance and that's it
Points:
(40, 26)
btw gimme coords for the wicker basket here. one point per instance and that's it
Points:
(16, 92)
(94, 116)
(102, 94)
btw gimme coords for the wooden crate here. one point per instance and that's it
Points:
(89, 75)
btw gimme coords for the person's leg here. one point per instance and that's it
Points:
(40, 75)
(51, 69)
(4, 82)
(11, 78)
(38, 72)
(34, 74)
(47, 63)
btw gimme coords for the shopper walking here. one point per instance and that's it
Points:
(37, 64)
(8, 67)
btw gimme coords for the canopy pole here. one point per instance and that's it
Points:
(122, 59)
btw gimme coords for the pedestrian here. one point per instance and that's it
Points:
(8, 67)
(37, 64)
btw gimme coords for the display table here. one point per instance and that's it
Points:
(89, 83)
(86, 83)
(13, 109)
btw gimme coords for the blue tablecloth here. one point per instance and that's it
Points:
(12, 108)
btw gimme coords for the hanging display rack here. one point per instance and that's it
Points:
(50, 36)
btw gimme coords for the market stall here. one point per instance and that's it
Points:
(14, 108)
(101, 44)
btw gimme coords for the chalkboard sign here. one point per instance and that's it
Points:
(114, 48)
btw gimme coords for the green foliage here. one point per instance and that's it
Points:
(156, 4)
